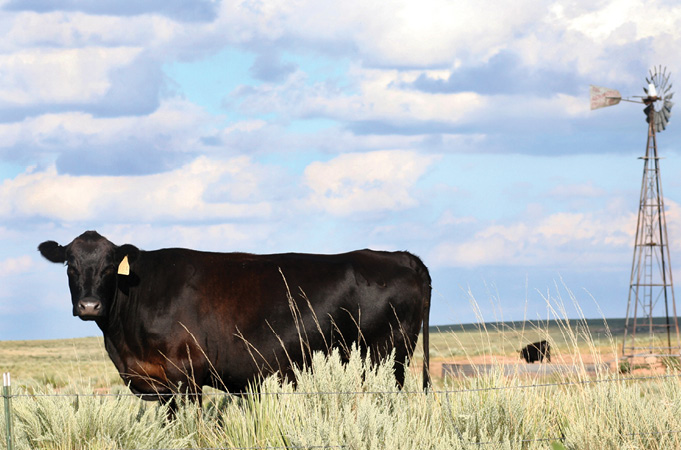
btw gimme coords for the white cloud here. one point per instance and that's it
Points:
(554, 240)
(366, 182)
(15, 266)
(80, 51)
(177, 195)
(73, 29)
(401, 33)
(604, 40)
(382, 96)
(75, 75)
(590, 240)
(378, 96)
(442, 34)
(74, 128)
(68, 60)
(648, 19)
(223, 237)
(431, 33)
(71, 57)
(159, 139)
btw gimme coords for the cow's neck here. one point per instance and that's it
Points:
(113, 326)
(114, 347)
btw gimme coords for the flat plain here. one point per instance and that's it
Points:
(59, 362)
(69, 396)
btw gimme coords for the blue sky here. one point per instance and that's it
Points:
(459, 131)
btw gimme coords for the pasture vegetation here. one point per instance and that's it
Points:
(353, 406)
(58, 363)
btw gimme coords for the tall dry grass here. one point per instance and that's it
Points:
(357, 406)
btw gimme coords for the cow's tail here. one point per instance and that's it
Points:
(426, 335)
(426, 289)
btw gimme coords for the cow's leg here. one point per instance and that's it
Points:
(400, 365)
(173, 401)
(195, 396)
(170, 402)
(379, 354)
(404, 343)
(399, 368)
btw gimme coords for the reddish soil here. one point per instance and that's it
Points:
(639, 366)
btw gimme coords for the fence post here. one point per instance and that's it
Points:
(6, 393)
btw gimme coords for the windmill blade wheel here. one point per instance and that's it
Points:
(658, 107)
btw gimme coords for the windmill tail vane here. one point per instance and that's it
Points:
(602, 97)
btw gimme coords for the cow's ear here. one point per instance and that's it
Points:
(128, 250)
(53, 251)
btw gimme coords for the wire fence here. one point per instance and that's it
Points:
(8, 396)
(250, 448)
(367, 392)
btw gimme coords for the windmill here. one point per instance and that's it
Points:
(650, 284)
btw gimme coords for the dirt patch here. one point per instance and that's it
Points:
(640, 366)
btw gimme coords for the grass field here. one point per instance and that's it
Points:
(354, 407)
(58, 362)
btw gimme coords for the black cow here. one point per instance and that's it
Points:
(175, 320)
(536, 351)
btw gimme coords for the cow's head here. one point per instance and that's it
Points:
(92, 264)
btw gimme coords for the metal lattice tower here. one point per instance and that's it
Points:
(651, 285)
(647, 332)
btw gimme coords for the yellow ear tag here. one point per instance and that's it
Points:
(124, 267)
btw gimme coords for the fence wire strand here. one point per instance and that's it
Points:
(248, 448)
(391, 392)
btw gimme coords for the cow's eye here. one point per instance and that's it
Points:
(72, 271)
(108, 270)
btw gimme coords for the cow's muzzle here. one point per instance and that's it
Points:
(88, 309)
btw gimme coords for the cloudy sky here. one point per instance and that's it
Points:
(459, 131)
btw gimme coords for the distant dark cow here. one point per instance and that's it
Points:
(536, 352)
(177, 319)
